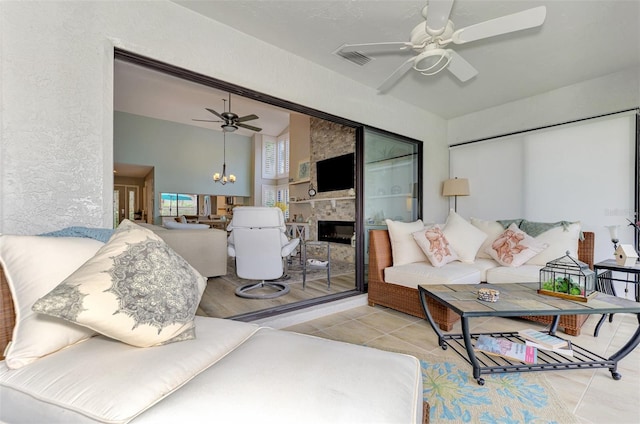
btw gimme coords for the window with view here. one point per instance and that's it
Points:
(275, 157)
(176, 204)
(276, 195)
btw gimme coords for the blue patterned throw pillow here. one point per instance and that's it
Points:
(136, 289)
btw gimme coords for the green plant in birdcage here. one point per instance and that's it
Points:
(562, 285)
(568, 278)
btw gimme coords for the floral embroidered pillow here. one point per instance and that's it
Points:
(514, 247)
(135, 289)
(435, 246)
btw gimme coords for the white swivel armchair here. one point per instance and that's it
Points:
(261, 248)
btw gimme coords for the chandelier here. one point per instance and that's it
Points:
(223, 179)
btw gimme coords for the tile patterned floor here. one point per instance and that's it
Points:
(592, 395)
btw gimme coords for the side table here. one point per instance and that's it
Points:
(305, 264)
(604, 282)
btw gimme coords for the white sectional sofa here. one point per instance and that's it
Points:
(78, 358)
(398, 265)
(203, 247)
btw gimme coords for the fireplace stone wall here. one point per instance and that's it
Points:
(329, 139)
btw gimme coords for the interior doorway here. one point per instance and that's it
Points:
(132, 193)
(126, 201)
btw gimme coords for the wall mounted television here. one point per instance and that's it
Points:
(336, 173)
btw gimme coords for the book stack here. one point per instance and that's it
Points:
(546, 341)
(506, 348)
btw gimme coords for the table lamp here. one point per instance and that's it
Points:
(455, 187)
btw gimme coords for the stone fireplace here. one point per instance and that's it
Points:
(336, 231)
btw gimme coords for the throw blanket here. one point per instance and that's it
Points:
(534, 229)
(100, 234)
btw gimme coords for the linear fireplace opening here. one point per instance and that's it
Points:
(336, 231)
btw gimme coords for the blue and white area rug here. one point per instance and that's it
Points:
(455, 397)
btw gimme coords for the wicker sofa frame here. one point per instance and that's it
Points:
(407, 300)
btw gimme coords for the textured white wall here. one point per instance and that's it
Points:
(611, 93)
(57, 99)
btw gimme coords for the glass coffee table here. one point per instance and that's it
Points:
(517, 300)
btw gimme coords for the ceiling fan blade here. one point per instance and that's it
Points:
(215, 113)
(374, 47)
(510, 23)
(205, 120)
(247, 118)
(396, 75)
(438, 12)
(460, 67)
(249, 127)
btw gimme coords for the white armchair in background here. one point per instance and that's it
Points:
(259, 244)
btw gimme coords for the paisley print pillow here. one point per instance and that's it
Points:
(135, 289)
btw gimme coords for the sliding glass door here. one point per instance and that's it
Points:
(392, 183)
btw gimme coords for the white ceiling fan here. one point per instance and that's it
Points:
(430, 38)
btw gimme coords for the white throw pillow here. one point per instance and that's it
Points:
(464, 237)
(560, 240)
(136, 289)
(435, 245)
(492, 229)
(514, 247)
(33, 265)
(180, 226)
(404, 248)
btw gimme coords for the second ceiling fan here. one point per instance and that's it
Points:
(429, 39)
(231, 121)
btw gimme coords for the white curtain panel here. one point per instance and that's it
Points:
(582, 171)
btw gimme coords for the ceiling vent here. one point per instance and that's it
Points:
(354, 57)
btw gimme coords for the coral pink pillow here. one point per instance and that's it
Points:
(435, 246)
(514, 247)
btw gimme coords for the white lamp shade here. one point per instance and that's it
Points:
(456, 187)
(613, 231)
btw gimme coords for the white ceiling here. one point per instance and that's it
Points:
(141, 91)
(580, 40)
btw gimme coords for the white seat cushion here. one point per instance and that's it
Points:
(521, 274)
(222, 376)
(304, 380)
(127, 381)
(413, 274)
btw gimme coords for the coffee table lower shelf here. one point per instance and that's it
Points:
(483, 363)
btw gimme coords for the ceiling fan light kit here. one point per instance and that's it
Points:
(217, 177)
(432, 61)
(429, 39)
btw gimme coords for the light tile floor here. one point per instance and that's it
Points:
(592, 395)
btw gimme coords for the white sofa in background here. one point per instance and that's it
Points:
(204, 248)
(61, 367)
(397, 264)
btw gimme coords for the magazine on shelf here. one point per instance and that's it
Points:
(544, 339)
(566, 350)
(506, 348)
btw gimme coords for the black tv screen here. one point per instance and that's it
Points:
(336, 173)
